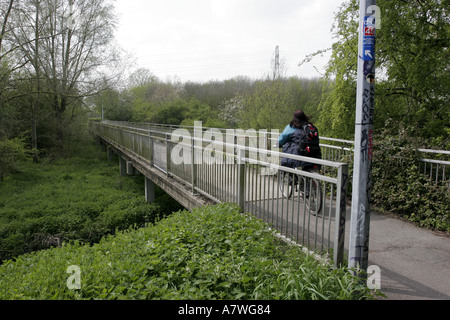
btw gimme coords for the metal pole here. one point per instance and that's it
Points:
(193, 166)
(241, 185)
(341, 212)
(364, 134)
(168, 159)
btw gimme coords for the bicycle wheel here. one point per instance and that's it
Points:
(285, 184)
(314, 197)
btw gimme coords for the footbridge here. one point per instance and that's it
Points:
(198, 166)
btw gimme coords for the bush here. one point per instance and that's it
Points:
(401, 187)
(212, 253)
(11, 151)
(79, 199)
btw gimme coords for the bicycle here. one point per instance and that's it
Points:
(310, 190)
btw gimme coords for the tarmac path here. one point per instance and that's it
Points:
(414, 263)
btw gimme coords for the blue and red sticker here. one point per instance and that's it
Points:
(369, 28)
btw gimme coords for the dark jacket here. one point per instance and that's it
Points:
(289, 141)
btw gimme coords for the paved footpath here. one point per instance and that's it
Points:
(414, 263)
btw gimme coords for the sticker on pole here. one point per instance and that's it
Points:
(369, 31)
(369, 26)
(368, 53)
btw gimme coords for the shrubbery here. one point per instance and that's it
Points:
(11, 152)
(79, 199)
(400, 187)
(212, 253)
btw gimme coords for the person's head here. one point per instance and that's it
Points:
(299, 119)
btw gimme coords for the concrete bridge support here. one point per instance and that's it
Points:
(130, 169)
(149, 190)
(123, 167)
(110, 153)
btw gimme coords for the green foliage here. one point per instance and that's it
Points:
(412, 69)
(212, 253)
(414, 41)
(197, 110)
(234, 103)
(113, 105)
(337, 107)
(337, 115)
(11, 152)
(402, 188)
(272, 103)
(78, 199)
(215, 93)
(266, 107)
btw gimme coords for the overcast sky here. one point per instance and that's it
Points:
(202, 40)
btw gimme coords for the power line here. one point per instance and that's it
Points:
(253, 62)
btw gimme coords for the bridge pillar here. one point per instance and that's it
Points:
(109, 153)
(149, 190)
(123, 167)
(130, 169)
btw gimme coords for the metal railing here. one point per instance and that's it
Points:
(243, 167)
(435, 164)
(437, 170)
(234, 170)
(341, 150)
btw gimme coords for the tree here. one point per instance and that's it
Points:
(5, 69)
(337, 107)
(146, 94)
(68, 45)
(6, 12)
(270, 106)
(114, 105)
(141, 77)
(413, 69)
(231, 111)
(414, 51)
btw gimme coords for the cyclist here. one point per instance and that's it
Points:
(290, 141)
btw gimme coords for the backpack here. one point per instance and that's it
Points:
(309, 144)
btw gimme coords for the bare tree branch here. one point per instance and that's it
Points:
(5, 22)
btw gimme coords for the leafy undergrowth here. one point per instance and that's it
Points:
(82, 198)
(212, 253)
